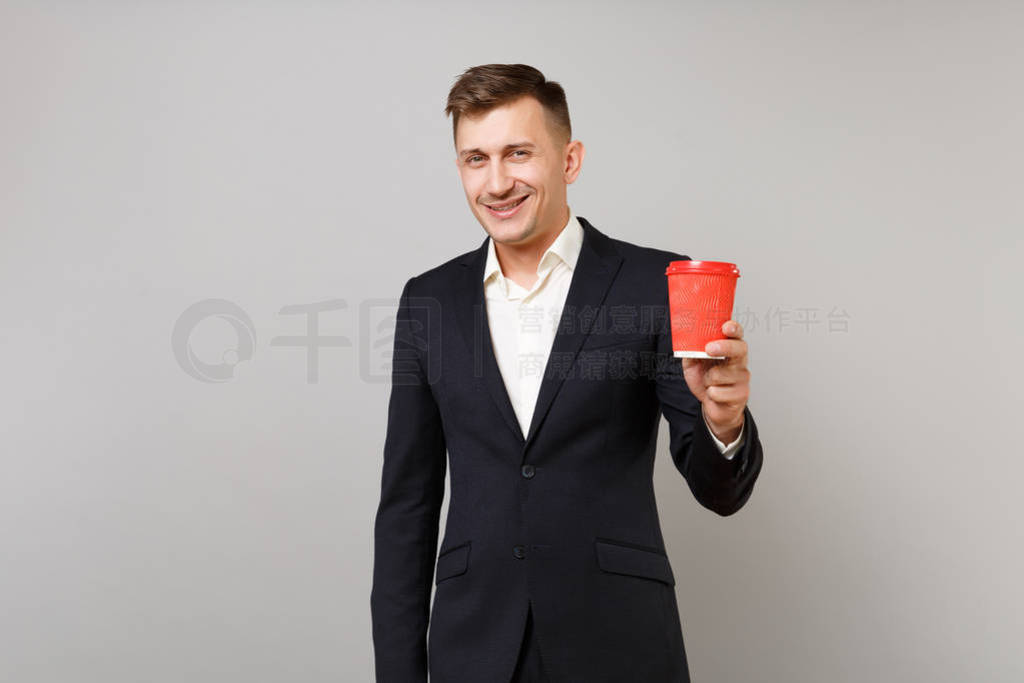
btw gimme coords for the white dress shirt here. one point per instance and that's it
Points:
(523, 322)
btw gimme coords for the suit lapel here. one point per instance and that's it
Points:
(595, 270)
(471, 313)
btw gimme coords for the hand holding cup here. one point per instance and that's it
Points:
(721, 385)
(701, 297)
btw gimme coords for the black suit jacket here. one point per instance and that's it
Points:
(563, 517)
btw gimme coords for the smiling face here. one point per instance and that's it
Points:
(514, 167)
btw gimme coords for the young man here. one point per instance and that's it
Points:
(537, 366)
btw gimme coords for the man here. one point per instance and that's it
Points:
(537, 367)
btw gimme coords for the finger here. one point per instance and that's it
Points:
(727, 396)
(726, 374)
(704, 362)
(731, 328)
(730, 348)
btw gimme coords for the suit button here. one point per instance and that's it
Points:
(528, 471)
(519, 551)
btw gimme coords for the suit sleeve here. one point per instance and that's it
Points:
(728, 451)
(720, 484)
(412, 490)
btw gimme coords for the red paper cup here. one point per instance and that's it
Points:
(700, 296)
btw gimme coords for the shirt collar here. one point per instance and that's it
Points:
(566, 247)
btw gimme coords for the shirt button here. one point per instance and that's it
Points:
(528, 471)
(519, 551)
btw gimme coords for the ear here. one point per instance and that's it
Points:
(574, 153)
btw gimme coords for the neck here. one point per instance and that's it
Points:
(519, 262)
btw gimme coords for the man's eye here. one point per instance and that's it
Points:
(472, 159)
(520, 151)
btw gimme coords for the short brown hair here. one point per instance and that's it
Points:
(482, 88)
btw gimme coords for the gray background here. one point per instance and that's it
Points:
(855, 159)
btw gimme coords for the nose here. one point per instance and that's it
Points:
(499, 183)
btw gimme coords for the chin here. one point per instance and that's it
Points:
(516, 233)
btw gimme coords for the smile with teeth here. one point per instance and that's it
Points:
(506, 208)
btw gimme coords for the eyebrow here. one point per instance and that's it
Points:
(510, 146)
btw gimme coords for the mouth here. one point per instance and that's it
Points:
(508, 208)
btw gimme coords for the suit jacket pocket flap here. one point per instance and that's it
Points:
(623, 559)
(452, 562)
